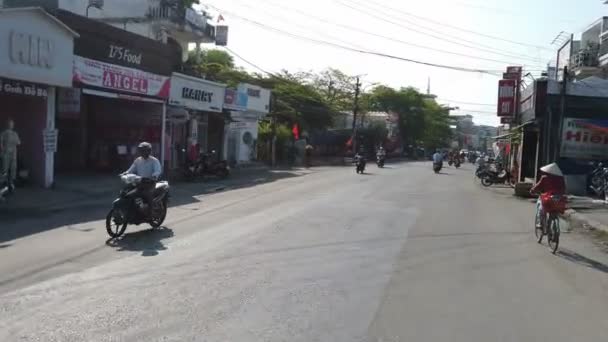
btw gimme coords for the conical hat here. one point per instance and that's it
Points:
(552, 169)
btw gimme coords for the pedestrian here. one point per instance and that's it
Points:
(9, 141)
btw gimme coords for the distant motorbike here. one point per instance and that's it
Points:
(380, 160)
(437, 167)
(450, 162)
(129, 207)
(457, 163)
(360, 164)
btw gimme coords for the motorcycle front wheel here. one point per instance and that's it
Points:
(116, 224)
(158, 220)
(486, 181)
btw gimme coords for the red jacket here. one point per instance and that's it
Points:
(550, 184)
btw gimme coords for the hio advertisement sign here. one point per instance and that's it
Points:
(584, 139)
(506, 97)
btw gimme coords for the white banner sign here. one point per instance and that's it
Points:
(120, 79)
(195, 93)
(584, 139)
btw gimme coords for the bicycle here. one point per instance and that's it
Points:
(553, 205)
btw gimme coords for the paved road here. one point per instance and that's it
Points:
(399, 254)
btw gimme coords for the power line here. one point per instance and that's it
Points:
(248, 62)
(361, 51)
(356, 29)
(467, 103)
(458, 41)
(463, 29)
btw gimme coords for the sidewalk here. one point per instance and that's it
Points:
(89, 191)
(585, 212)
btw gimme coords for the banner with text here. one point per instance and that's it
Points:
(506, 97)
(120, 79)
(584, 139)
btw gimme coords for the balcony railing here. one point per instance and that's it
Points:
(178, 16)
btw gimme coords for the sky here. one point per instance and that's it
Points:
(484, 35)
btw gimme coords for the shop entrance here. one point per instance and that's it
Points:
(103, 138)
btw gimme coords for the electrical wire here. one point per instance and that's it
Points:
(356, 29)
(461, 28)
(361, 51)
(248, 62)
(467, 103)
(458, 40)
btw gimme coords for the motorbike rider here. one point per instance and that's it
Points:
(552, 182)
(381, 153)
(437, 157)
(147, 167)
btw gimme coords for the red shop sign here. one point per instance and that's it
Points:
(506, 97)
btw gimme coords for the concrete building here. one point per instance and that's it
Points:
(164, 20)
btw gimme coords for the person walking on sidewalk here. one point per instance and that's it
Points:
(551, 182)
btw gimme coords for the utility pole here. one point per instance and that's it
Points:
(273, 143)
(355, 112)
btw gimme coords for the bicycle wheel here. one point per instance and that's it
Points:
(539, 232)
(553, 233)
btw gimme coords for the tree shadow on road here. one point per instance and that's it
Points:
(83, 216)
(582, 260)
(148, 242)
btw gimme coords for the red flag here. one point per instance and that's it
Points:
(349, 143)
(296, 132)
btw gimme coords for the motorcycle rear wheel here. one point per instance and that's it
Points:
(113, 228)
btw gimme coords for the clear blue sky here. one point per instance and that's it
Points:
(533, 22)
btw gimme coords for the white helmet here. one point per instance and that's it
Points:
(552, 169)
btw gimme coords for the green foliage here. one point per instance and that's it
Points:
(422, 122)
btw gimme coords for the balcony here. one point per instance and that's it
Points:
(185, 25)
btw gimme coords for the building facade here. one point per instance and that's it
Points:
(35, 63)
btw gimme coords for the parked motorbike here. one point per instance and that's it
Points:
(437, 167)
(129, 207)
(5, 187)
(206, 166)
(213, 167)
(380, 160)
(490, 177)
(599, 181)
(360, 164)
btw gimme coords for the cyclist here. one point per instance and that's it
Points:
(551, 182)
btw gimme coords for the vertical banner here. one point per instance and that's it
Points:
(506, 97)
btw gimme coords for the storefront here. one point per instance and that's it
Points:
(569, 129)
(248, 104)
(37, 51)
(194, 104)
(121, 83)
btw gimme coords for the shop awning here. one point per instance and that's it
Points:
(513, 131)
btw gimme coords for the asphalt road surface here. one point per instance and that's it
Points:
(398, 254)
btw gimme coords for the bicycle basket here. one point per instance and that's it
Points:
(553, 203)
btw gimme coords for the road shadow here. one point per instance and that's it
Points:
(582, 260)
(149, 241)
(29, 219)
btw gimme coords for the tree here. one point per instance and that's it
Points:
(336, 87)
